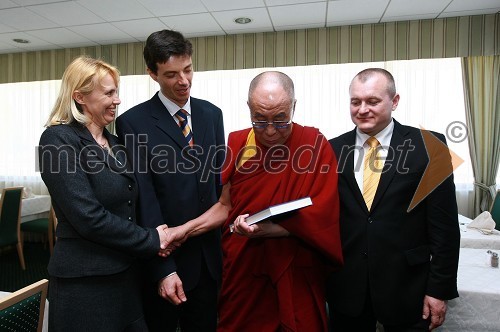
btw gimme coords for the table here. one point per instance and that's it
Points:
(477, 308)
(472, 238)
(35, 207)
(45, 324)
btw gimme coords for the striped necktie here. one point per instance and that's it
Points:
(183, 124)
(371, 172)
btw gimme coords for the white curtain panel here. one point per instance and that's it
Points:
(431, 97)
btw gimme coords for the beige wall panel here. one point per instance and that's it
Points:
(438, 39)
(450, 37)
(301, 48)
(390, 41)
(229, 53)
(31, 67)
(17, 68)
(425, 39)
(249, 51)
(476, 36)
(239, 54)
(489, 35)
(269, 49)
(60, 63)
(345, 44)
(356, 52)
(378, 45)
(46, 65)
(311, 47)
(414, 40)
(334, 45)
(259, 50)
(463, 45)
(322, 46)
(280, 51)
(211, 53)
(290, 48)
(4, 68)
(367, 42)
(402, 40)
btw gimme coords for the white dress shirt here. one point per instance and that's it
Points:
(173, 108)
(384, 138)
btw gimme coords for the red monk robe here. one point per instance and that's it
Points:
(277, 284)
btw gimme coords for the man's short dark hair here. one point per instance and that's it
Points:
(161, 45)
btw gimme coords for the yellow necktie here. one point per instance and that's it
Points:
(371, 172)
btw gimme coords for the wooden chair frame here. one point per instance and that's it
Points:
(26, 292)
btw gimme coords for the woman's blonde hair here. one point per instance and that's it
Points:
(82, 75)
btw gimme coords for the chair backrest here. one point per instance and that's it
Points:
(23, 310)
(495, 210)
(10, 215)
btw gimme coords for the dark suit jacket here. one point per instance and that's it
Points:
(94, 198)
(177, 183)
(395, 255)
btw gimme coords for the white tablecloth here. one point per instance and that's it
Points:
(45, 324)
(478, 307)
(472, 238)
(35, 207)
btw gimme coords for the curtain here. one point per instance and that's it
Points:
(482, 105)
(431, 96)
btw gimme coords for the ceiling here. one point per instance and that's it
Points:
(54, 24)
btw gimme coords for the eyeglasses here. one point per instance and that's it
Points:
(275, 124)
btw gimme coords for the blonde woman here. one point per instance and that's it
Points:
(93, 272)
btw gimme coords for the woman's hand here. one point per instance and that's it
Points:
(170, 239)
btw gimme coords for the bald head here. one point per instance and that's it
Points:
(270, 80)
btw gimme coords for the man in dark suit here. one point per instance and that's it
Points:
(176, 143)
(400, 262)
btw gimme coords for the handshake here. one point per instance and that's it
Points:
(170, 239)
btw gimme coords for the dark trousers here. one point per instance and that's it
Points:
(367, 321)
(197, 314)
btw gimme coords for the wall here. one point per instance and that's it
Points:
(440, 38)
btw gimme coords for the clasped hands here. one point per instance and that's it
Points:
(170, 239)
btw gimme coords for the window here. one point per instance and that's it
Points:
(431, 97)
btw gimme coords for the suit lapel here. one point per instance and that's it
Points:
(397, 140)
(347, 160)
(166, 123)
(199, 120)
(118, 164)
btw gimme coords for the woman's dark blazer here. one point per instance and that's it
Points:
(93, 195)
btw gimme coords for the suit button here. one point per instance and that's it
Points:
(370, 220)
(202, 199)
(130, 219)
(129, 203)
(365, 255)
(129, 187)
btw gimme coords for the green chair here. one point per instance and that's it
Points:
(10, 220)
(24, 309)
(495, 210)
(41, 226)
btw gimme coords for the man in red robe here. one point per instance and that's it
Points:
(274, 271)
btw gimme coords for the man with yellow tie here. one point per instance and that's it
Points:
(400, 262)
